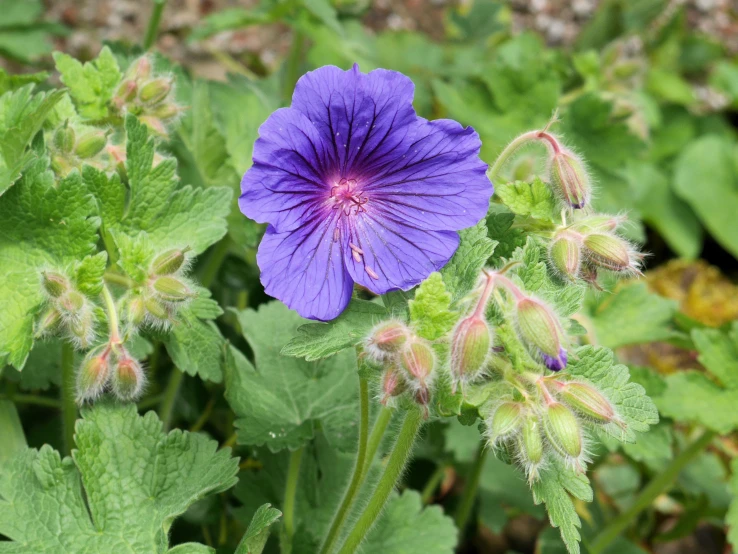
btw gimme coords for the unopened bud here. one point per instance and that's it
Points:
(598, 222)
(156, 309)
(422, 398)
(171, 289)
(128, 378)
(470, 346)
(386, 339)
(82, 328)
(570, 178)
(140, 69)
(136, 311)
(92, 376)
(563, 430)
(64, 139)
(540, 327)
(565, 254)
(165, 111)
(47, 323)
(91, 144)
(155, 91)
(418, 360)
(506, 420)
(55, 284)
(61, 166)
(392, 385)
(608, 251)
(586, 400)
(531, 440)
(125, 93)
(71, 303)
(154, 123)
(169, 262)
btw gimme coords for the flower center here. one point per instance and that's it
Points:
(346, 196)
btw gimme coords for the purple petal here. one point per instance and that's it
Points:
(385, 253)
(555, 364)
(435, 179)
(288, 177)
(304, 268)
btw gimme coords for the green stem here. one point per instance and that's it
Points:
(112, 316)
(292, 71)
(210, 271)
(149, 402)
(33, 400)
(154, 20)
(397, 460)
(380, 426)
(657, 485)
(118, 279)
(293, 473)
(357, 477)
(68, 403)
(166, 408)
(463, 511)
(513, 147)
(432, 484)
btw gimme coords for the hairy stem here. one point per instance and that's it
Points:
(375, 439)
(293, 474)
(68, 403)
(118, 279)
(512, 148)
(358, 474)
(153, 28)
(464, 510)
(657, 485)
(112, 316)
(433, 482)
(166, 408)
(396, 463)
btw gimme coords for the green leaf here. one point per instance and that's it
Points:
(707, 179)
(258, 532)
(654, 450)
(42, 369)
(280, 402)
(91, 85)
(719, 353)
(633, 315)
(88, 274)
(325, 12)
(635, 409)
(461, 273)
(11, 430)
(528, 199)
(321, 340)
(44, 224)
(14, 82)
(507, 239)
(430, 309)
(731, 517)
(554, 487)
(121, 492)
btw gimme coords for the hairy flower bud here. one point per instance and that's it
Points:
(165, 111)
(563, 430)
(64, 139)
(140, 69)
(392, 385)
(154, 124)
(531, 440)
(386, 339)
(171, 289)
(598, 222)
(565, 254)
(155, 91)
(92, 376)
(128, 377)
(60, 165)
(71, 303)
(471, 342)
(156, 309)
(47, 323)
(418, 361)
(54, 284)
(539, 327)
(505, 421)
(82, 327)
(586, 400)
(125, 93)
(169, 262)
(608, 251)
(570, 178)
(136, 311)
(91, 144)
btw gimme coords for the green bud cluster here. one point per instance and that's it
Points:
(75, 145)
(68, 312)
(110, 367)
(147, 95)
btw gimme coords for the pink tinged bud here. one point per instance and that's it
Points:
(140, 69)
(387, 338)
(170, 289)
(608, 251)
(71, 304)
(422, 398)
(563, 430)
(471, 342)
(565, 255)
(136, 312)
(155, 91)
(506, 420)
(540, 327)
(587, 401)
(54, 284)
(125, 93)
(418, 361)
(154, 123)
(47, 323)
(392, 385)
(165, 111)
(92, 377)
(128, 378)
(570, 179)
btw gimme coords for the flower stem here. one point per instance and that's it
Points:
(154, 20)
(218, 255)
(112, 316)
(358, 475)
(166, 408)
(68, 403)
(293, 473)
(397, 460)
(512, 148)
(463, 511)
(657, 485)
(292, 69)
(117, 279)
(433, 482)
(380, 426)
(34, 400)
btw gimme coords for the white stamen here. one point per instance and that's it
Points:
(355, 248)
(370, 272)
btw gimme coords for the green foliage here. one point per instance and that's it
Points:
(528, 199)
(256, 536)
(430, 309)
(23, 36)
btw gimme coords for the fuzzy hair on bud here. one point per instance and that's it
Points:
(564, 433)
(93, 376)
(565, 254)
(64, 139)
(609, 251)
(158, 314)
(418, 360)
(530, 445)
(48, 323)
(171, 289)
(91, 144)
(136, 311)
(155, 91)
(128, 377)
(586, 400)
(471, 344)
(386, 339)
(570, 179)
(392, 385)
(54, 284)
(598, 223)
(539, 327)
(504, 421)
(170, 261)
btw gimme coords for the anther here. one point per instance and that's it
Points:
(370, 272)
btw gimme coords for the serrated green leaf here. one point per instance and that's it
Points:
(528, 199)
(136, 481)
(499, 229)
(461, 273)
(11, 430)
(196, 346)
(281, 402)
(258, 531)
(636, 410)
(91, 85)
(44, 224)
(430, 309)
(321, 340)
(719, 353)
(42, 369)
(654, 450)
(88, 275)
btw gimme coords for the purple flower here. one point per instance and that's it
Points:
(555, 364)
(357, 188)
